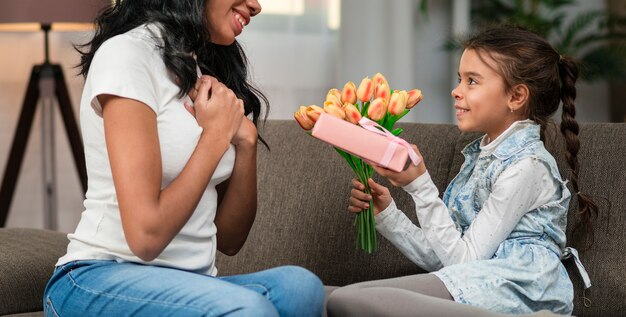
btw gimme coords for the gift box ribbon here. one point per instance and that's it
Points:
(372, 126)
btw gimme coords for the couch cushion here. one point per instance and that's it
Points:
(302, 217)
(603, 176)
(27, 258)
(304, 221)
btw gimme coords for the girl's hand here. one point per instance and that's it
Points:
(216, 108)
(405, 177)
(359, 200)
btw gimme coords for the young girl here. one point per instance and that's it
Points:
(170, 183)
(496, 239)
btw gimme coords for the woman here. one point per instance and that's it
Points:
(170, 182)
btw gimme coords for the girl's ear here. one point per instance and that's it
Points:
(518, 97)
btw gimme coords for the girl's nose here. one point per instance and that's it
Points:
(456, 93)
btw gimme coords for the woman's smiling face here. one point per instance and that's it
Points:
(226, 19)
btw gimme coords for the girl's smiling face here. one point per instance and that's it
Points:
(226, 19)
(481, 100)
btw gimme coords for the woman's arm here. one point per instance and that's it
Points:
(152, 216)
(238, 195)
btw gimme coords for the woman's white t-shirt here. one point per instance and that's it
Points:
(130, 65)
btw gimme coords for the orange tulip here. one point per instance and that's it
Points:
(366, 89)
(379, 79)
(303, 120)
(348, 94)
(334, 99)
(314, 112)
(377, 109)
(334, 92)
(414, 97)
(383, 92)
(353, 115)
(332, 109)
(397, 104)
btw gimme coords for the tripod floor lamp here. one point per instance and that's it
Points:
(46, 83)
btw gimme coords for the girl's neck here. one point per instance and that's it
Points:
(490, 138)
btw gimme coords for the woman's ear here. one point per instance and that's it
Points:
(518, 97)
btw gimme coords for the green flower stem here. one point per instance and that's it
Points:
(365, 222)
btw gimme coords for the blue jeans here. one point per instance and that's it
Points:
(109, 288)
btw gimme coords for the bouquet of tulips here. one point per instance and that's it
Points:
(375, 100)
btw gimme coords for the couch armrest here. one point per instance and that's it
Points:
(27, 258)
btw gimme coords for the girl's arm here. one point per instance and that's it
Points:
(408, 238)
(394, 225)
(152, 216)
(522, 187)
(238, 195)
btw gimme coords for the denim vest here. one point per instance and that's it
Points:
(469, 190)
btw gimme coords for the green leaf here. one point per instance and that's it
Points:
(397, 131)
(346, 156)
(579, 24)
(364, 109)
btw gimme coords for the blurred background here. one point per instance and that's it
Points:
(298, 49)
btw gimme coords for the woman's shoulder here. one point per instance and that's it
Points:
(141, 42)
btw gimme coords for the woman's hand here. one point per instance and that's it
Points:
(246, 135)
(359, 200)
(405, 177)
(215, 107)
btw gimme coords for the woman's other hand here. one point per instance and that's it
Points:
(405, 177)
(246, 135)
(359, 200)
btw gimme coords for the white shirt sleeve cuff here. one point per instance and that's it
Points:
(386, 213)
(420, 182)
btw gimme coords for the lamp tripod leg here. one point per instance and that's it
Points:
(18, 147)
(71, 127)
(48, 153)
(22, 133)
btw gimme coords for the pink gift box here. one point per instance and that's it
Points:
(358, 141)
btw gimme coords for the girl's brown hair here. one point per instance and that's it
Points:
(524, 57)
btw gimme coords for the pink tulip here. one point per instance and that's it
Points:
(303, 120)
(314, 112)
(377, 109)
(397, 104)
(353, 115)
(413, 97)
(334, 110)
(348, 94)
(366, 89)
(383, 92)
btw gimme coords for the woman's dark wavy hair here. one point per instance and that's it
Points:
(184, 31)
(523, 57)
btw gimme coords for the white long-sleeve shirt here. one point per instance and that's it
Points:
(521, 188)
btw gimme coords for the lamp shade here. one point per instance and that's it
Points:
(50, 11)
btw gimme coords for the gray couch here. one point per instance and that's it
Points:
(302, 217)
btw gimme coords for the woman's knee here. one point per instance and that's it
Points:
(298, 279)
(252, 304)
(301, 291)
